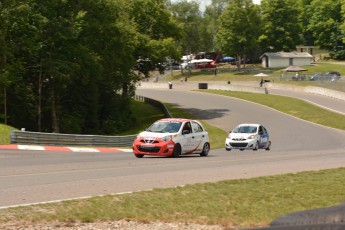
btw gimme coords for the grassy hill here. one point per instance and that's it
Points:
(5, 134)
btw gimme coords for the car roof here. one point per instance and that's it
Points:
(175, 120)
(248, 124)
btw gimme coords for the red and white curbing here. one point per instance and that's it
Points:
(63, 149)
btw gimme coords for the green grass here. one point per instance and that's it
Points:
(144, 115)
(325, 67)
(291, 106)
(5, 133)
(243, 202)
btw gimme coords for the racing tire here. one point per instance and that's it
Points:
(139, 155)
(241, 149)
(268, 147)
(177, 151)
(256, 147)
(205, 150)
(319, 218)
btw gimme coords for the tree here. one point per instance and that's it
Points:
(4, 52)
(239, 29)
(21, 54)
(157, 32)
(325, 20)
(107, 44)
(307, 36)
(70, 64)
(342, 28)
(281, 29)
(189, 19)
(211, 16)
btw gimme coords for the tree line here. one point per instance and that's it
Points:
(244, 30)
(71, 66)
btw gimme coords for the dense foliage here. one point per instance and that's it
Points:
(68, 66)
(280, 30)
(282, 25)
(71, 66)
(237, 14)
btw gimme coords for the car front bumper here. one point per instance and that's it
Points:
(155, 149)
(245, 144)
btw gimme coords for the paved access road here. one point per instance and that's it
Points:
(37, 176)
(335, 105)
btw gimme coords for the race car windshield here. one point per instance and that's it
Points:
(245, 129)
(165, 127)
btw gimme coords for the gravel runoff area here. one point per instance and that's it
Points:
(122, 224)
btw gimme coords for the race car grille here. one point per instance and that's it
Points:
(148, 149)
(239, 139)
(238, 145)
(149, 141)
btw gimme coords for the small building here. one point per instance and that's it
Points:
(318, 54)
(285, 59)
(313, 50)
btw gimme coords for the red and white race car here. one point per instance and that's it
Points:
(172, 137)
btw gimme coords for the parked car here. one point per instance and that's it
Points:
(184, 65)
(334, 73)
(228, 59)
(206, 65)
(325, 76)
(315, 77)
(298, 77)
(248, 136)
(172, 137)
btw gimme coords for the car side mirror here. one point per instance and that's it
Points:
(185, 132)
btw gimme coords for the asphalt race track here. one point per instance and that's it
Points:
(28, 177)
(287, 133)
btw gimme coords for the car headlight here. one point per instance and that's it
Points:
(252, 137)
(166, 138)
(138, 137)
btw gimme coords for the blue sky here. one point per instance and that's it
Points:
(204, 3)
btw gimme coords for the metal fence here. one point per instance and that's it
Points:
(25, 137)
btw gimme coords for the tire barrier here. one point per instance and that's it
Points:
(329, 218)
(305, 227)
(203, 86)
(333, 214)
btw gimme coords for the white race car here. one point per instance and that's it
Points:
(172, 137)
(248, 136)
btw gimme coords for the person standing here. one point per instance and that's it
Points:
(261, 82)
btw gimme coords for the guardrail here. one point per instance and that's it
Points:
(155, 103)
(32, 138)
(25, 137)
